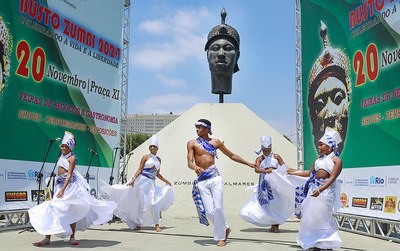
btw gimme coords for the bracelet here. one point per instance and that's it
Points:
(134, 178)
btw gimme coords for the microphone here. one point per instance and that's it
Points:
(52, 140)
(91, 150)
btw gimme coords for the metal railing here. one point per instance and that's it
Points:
(374, 227)
(14, 219)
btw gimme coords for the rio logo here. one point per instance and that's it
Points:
(376, 180)
(32, 174)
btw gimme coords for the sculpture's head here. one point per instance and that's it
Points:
(226, 33)
(223, 54)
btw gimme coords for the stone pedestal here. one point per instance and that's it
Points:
(234, 124)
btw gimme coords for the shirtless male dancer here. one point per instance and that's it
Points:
(207, 189)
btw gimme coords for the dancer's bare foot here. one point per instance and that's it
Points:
(221, 243)
(274, 229)
(228, 231)
(137, 228)
(158, 228)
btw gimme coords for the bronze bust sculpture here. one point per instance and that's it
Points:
(222, 53)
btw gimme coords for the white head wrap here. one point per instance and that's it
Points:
(199, 123)
(332, 139)
(266, 142)
(69, 140)
(154, 141)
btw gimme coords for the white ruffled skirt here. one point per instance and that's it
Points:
(76, 206)
(277, 210)
(140, 205)
(318, 228)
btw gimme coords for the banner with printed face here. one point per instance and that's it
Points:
(60, 71)
(350, 82)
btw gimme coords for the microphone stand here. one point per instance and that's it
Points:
(87, 176)
(112, 169)
(114, 218)
(52, 176)
(39, 180)
(40, 174)
(123, 178)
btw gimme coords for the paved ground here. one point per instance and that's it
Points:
(185, 234)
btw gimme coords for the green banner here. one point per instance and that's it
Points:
(350, 79)
(60, 71)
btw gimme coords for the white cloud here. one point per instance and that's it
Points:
(170, 81)
(175, 103)
(169, 55)
(191, 45)
(157, 27)
(187, 21)
(185, 37)
(157, 58)
(183, 21)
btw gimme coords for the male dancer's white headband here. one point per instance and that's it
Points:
(204, 125)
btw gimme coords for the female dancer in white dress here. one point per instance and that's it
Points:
(273, 200)
(319, 197)
(141, 204)
(73, 208)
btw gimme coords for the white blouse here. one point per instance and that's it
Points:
(269, 161)
(325, 163)
(63, 161)
(152, 162)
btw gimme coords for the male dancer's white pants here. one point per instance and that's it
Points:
(211, 195)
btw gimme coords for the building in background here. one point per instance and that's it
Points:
(148, 124)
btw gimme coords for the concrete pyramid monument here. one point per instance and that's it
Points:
(234, 124)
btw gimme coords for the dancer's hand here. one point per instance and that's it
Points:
(131, 182)
(293, 172)
(60, 194)
(316, 193)
(268, 170)
(199, 170)
(168, 183)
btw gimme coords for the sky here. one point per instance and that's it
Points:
(168, 68)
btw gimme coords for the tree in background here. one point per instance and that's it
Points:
(135, 140)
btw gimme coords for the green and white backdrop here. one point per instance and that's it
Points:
(368, 32)
(62, 72)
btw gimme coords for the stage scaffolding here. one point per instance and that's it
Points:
(17, 219)
(299, 102)
(124, 88)
(374, 227)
